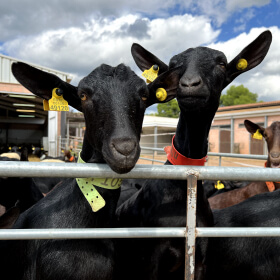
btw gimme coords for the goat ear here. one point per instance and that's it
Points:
(145, 60)
(169, 81)
(42, 83)
(253, 127)
(254, 54)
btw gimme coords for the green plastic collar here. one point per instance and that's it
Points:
(87, 187)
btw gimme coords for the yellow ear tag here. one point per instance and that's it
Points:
(46, 105)
(257, 135)
(219, 185)
(161, 94)
(241, 64)
(151, 74)
(57, 102)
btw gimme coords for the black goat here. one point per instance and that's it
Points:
(162, 203)
(249, 258)
(23, 190)
(113, 100)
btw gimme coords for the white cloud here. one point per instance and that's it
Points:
(233, 5)
(221, 10)
(264, 79)
(80, 50)
(31, 17)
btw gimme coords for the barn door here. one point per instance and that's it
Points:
(224, 141)
(256, 147)
(52, 133)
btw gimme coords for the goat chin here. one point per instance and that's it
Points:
(11, 155)
(119, 163)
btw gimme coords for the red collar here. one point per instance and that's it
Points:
(178, 159)
(270, 185)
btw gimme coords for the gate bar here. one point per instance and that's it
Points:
(173, 232)
(79, 170)
(190, 228)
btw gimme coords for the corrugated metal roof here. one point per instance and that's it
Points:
(252, 105)
(151, 121)
(6, 75)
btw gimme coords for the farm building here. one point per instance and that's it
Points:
(228, 133)
(22, 118)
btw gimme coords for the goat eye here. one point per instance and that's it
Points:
(83, 97)
(144, 98)
(222, 65)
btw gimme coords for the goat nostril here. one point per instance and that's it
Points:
(190, 83)
(274, 155)
(195, 84)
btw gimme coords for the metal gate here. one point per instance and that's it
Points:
(189, 173)
(52, 133)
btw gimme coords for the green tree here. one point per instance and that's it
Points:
(170, 109)
(238, 95)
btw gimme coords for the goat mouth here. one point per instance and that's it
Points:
(192, 102)
(192, 96)
(275, 165)
(121, 163)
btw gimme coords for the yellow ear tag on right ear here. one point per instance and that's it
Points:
(161, 94)
(219, 185)
(257, 135)
(151, 74)
(57, 102)
(241, 64)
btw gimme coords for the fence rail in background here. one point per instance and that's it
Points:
(220, 155)
(189, 173)
(76, 143)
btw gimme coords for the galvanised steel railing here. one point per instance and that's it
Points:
(220, 155)
(64, 143)
(189, 173)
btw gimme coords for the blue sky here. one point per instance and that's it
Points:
(76, 37)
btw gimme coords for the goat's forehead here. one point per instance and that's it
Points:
(197, 54)
(106, 76)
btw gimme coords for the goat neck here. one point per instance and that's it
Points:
(191, 139)
(88, 154)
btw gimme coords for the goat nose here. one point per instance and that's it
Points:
(275, 154)
(124, 146)
(191, 82)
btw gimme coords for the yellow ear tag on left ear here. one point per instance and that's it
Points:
(242, 64)
(151, 74)
(161, 94)
(219, 185)
(57, 102)
(257, 135)
(46, 105)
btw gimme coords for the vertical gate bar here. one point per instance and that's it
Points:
(190, 228)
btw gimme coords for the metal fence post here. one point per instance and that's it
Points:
(190, 228)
